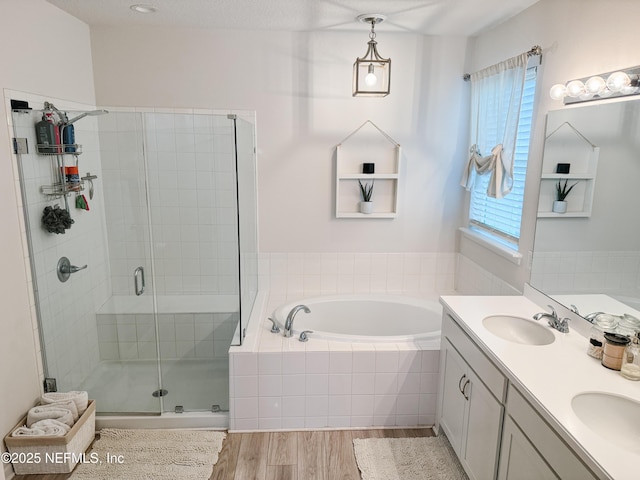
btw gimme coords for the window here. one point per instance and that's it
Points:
(500, 218)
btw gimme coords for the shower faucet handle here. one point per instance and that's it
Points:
(304, 336)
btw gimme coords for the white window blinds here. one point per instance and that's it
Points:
(501, 217)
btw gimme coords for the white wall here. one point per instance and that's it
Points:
(300, 86)
(27, 32)
(578, 38)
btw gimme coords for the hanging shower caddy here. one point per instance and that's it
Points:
(65, 182)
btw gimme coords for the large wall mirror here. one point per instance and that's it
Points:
(589, 256)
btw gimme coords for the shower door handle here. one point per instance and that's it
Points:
(138, 280)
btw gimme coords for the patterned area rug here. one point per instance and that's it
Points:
(151, 454)
(421, 458)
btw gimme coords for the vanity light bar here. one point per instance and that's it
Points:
(619, 83)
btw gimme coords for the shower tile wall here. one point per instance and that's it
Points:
(193, 203)
(67, 309)
(191, 192)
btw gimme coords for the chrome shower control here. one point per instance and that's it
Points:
(65, 269)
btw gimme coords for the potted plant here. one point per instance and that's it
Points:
(560, 204)
(366, 190)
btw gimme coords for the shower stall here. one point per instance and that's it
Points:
(161, 269)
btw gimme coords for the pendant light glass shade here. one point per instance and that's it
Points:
(371, 73)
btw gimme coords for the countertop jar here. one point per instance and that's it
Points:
(614, 349)
(601, 324)
(631, 360)
(628, 325)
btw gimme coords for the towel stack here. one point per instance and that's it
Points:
(55, 415)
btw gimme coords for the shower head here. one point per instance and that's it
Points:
(82, 115)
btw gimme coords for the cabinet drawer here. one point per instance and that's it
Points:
(478, 361)
(553, 449)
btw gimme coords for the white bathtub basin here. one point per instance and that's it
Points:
(519, 330)
(365, 318)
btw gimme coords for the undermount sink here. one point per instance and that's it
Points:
(519, 330)
(613, 417)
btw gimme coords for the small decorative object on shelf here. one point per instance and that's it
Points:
(560, 204)
(563, 168)
(368, 168)
(366, 190)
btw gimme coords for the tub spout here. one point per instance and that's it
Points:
(288, 324)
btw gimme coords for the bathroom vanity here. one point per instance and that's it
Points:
(520, 400)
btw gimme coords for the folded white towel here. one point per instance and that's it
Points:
(43, 427)
(67, 405)
(80, 398)
(45, 412)
(26, 431)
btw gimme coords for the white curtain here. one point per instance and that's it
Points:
(496, 95)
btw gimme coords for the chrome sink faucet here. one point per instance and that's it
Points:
(562, 325)
(288, 324)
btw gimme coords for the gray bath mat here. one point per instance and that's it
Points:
(151, 455)
(421, 458)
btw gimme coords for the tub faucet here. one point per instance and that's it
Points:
(288, 324)
(562, 325)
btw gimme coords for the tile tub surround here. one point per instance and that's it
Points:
(285, 384)
(324, 273)
(587, 271)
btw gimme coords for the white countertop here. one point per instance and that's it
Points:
(550, 376)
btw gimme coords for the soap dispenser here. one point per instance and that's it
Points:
(631, 360)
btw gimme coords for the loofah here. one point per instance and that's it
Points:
(56, 220)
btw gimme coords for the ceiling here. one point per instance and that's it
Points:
(429, 17)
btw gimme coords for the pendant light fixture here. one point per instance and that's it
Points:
(371, 73)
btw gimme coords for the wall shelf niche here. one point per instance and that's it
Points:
(359, 147)
(568, 145)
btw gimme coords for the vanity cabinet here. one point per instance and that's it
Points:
(531, 449)
(470, 402)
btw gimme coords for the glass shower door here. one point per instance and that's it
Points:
(194, 217)
(88, 322)
(130, 368)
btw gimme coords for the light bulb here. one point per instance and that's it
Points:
(558, 91)
(371, 78)
(575, 88)
(595, 85)
(617, 81)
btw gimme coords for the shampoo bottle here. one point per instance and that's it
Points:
(46, 135)
(56, 130)
(68, 137)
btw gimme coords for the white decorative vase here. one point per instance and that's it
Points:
(559, 206)
(366, 207)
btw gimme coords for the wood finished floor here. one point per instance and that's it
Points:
(309, 455)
